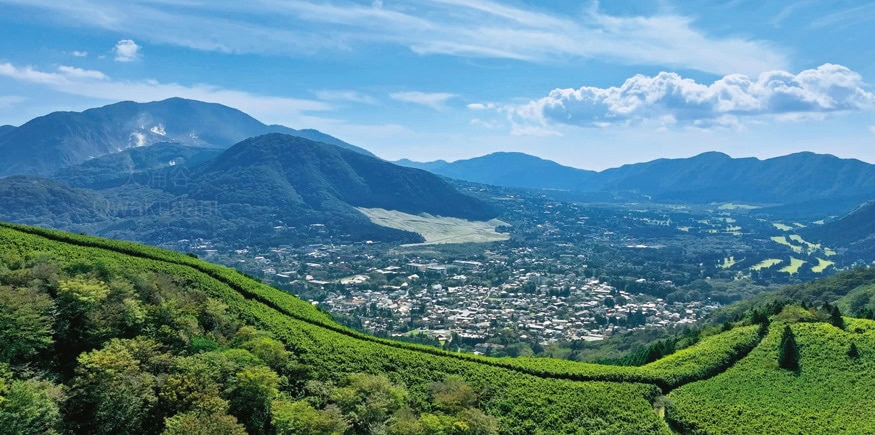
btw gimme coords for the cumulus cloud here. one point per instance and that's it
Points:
(126, 50)
(435, 100)
(668, 98)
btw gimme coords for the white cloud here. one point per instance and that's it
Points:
(77, 53)
(435, 100)
(126, 50)
(668, 98)
(266, 108)
(71, 71)
(872, 128)
(470, 28)
(347, 96)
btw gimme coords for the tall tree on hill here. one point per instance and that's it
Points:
(788, 353)
(835, 318)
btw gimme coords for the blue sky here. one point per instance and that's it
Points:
(588, 84)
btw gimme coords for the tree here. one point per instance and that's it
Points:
(194, 423)
(369, 400)
(30, 407)
(299, 417)
(26, 323)
(853, 352)
(835, 318)
(453, 395)
(788, 353)
(252, 391)
(112, 392)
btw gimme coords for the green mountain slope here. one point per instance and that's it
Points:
(856, 230)
(831, 393)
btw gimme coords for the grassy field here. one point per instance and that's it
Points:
(782, 227)
(782, 240)
(438, 230)
(731, 206)
(728, 262)
(765, 264)
(793, 267)
(821, 265)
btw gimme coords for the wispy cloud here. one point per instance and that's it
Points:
(77, 53)
(670, 99)
(475, 28)
(434, 100)
(8, 101)
(345, 96)
(126, 50)
(94, 84)
(73, 72)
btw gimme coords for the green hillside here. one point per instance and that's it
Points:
(114, 337)
(831, 393)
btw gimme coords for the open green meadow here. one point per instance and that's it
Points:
(436, 229)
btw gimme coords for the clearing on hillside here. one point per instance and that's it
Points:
(765, 264)
(793, 267)
(821, 265)
(436, 229)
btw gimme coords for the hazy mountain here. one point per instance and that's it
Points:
(511, 170)
(6, 129)
(707, 177)
(61, 139)
(132, 165)
(855, 230)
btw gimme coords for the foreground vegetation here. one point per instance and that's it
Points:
(99, 336)
(831, 392)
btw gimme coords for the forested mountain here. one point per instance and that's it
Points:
(132, 165)
(511, 170)
(300, 175)
(856, 230)
(61, 139)
(708, 177)
(100, 336)
(168, 192)
(6, 129)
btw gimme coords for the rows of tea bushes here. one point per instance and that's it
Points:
(833, 390)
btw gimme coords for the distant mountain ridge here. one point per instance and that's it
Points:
(62, 139)
(708, 177)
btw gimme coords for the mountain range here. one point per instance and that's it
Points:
(62, 139)
(708, 177)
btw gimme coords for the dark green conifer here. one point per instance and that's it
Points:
(853, 352)
(835, 318)
(788, 353)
